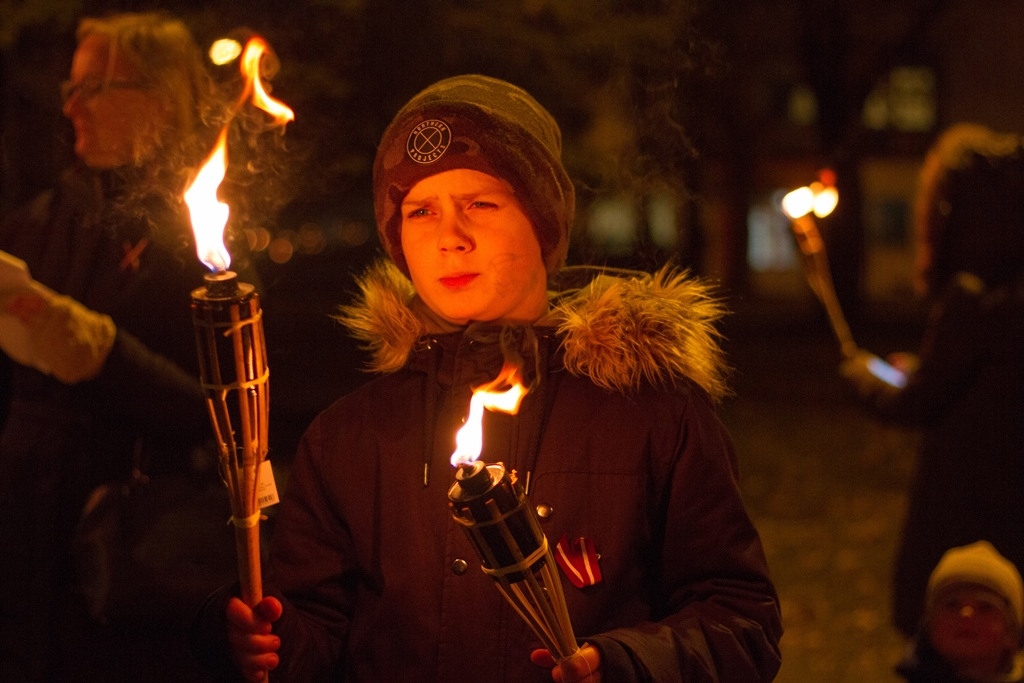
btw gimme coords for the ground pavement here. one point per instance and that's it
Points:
(825, 483)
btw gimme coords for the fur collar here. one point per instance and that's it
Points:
(619, 329)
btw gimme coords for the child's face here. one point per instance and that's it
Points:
(471, 250)
(969, 628)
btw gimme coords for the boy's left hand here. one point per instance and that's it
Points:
(582, 667)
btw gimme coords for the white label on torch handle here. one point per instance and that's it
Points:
(266, 495)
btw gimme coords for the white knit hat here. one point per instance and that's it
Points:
(979, 564)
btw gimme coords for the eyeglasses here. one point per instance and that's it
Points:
(88, 88)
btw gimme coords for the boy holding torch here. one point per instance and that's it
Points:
(617, 442)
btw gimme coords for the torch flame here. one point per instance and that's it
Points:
(504, 394)
(250, 65)
(819, 198)
(209, 215)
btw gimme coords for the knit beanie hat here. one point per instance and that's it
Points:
(979, 564)
(484, 124)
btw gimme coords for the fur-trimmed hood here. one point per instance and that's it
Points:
(618, 328)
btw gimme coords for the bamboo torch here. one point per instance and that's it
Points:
(495, 512)
(228, 323)
(801, 205)
(235, 378)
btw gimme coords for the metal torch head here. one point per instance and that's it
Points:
(227, 315)
(491, 506)
(233, 364)
(494, 510)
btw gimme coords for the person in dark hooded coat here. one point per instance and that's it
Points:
(964, 389)
(99, 349)
(617, 442)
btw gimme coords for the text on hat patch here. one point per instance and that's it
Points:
(428, 141)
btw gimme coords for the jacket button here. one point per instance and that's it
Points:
(459, 566)
(544, 510)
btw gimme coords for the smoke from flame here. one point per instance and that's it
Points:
(503, 394)
(209, 215)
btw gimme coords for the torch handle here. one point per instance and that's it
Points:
(826, 293)
(819, 277)
(247, 543)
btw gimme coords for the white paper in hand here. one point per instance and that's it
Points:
(13, 272)
(14, 335)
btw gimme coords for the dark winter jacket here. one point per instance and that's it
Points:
(967, 397)
(618, 441)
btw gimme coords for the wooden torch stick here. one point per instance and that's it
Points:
(246, 517)
(819, 276)
(234, 376)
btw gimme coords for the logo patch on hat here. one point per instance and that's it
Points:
(428, 141)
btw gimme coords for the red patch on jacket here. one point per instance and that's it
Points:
(579, 561)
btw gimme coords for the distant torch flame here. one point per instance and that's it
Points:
(209, 215)
(504, 395)
(819, 198)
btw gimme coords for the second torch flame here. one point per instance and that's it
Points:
(499, 520)
(504, 394)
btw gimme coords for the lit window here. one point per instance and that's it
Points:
(905, 101)
(661, 221)
(770, 244)
(803, 105)
(612, 226)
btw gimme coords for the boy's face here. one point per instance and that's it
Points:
(471, 250)
(969, 628)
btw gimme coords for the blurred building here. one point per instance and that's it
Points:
(862, 89)
(769, 91)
